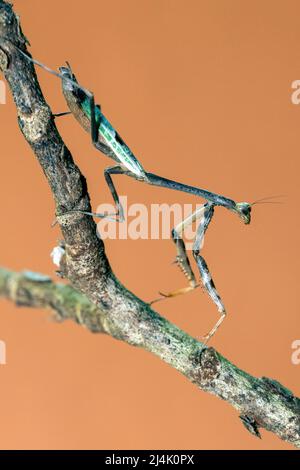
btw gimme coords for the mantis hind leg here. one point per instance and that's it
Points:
(118, 216)
(115, 170)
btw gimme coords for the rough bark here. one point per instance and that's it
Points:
(105, 305)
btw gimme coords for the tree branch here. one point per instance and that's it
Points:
(110, 307)
(28, 289)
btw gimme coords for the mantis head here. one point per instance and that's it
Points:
(243, 209)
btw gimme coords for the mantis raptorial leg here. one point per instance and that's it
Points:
(206, 278)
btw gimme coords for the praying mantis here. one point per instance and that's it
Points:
(106, 139)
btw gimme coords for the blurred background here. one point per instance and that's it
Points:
(201, 92)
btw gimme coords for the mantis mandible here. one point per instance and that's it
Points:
(106, 139)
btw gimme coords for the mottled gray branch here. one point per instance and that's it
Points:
(111, 308)
(28, 289)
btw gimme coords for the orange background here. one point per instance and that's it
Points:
(201, 91)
